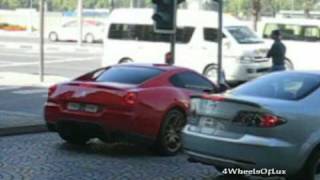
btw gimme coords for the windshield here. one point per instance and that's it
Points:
(285, 86)
(244, 35)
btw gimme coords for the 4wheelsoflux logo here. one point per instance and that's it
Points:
(263, 171)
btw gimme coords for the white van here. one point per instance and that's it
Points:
(130, 38)
(301, 37)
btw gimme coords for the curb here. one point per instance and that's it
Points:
(19, 130)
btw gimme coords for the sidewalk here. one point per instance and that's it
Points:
(52, 46)
(17, 122)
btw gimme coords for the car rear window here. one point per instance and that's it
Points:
(285, 86)
(138, 32)
(128, 75)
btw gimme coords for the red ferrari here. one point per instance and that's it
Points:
(131, 102)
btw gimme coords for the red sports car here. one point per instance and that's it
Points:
(131, 102)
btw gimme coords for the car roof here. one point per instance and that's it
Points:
(185, 17)
(293, 21)
(162, 67)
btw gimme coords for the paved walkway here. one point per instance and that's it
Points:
(47, 157)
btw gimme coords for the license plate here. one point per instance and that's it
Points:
(91, 108)
(208, 125)
(74, 106)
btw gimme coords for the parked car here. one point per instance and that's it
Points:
(92, 31)
(130, 32)
(301, 37)
(272, 122)
(139, 103)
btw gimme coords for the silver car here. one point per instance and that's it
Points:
(269, 126)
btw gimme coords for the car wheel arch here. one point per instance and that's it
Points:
(171, 108)
(310, 150)
(125, 60)
(53, 33)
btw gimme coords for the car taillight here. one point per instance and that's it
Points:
(130, 98)
(168, 58)
(52, 89)
(256, 119)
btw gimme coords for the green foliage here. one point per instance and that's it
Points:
(12, 4)
(270, 7)
(235, 7)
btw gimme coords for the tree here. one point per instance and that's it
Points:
(308, 4)
(256, 9)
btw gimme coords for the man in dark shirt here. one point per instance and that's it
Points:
(277, 52)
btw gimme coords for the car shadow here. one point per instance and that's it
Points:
(112, 149)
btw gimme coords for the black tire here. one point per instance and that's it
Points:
(125, 60)
(72, 135)
(53, 37)
(169, 139)
(209, 74)
(89, 38)
(311, 170)
(288, 64)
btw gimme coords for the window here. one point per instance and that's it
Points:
(146, 33)
(286, 86)
(291, 32)
(268, 30)
(192, 81)
(294, 32)
(311, 33)
(244, 35)
(128, 75)
(211, 34)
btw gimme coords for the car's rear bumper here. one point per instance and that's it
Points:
(247, 152)
(120, 124)
(96, 130)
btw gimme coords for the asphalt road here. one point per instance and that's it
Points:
(60, 63)
(34, 40)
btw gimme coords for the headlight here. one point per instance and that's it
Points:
(245, 59)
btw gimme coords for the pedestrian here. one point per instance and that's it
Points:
(277, 52)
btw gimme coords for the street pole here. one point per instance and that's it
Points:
(41, 28)
(80, 21)
(30, 13)
(174, 36)
(220, 37)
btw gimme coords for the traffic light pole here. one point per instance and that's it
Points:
(174, 36)
(220, 37)
(41, 30)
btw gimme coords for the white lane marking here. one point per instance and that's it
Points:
(48, 62)
(30, 91)
(6, 88)
(24, 54)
